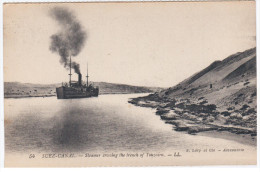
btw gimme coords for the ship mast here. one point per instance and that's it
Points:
(70, 72)
(87, 75)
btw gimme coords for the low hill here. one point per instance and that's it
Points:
(112, 88)
(221, 97)
(17, 89)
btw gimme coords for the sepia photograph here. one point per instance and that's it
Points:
(101, 84)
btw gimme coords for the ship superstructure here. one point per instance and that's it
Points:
(77, 89)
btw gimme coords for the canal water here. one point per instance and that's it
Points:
(107, 123)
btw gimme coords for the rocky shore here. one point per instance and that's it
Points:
(194, 117)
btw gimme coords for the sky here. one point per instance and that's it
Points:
(145, 44)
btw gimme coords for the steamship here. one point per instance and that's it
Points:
(76, 89)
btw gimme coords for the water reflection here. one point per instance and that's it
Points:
(104, 124)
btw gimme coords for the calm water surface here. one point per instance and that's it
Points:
(103, 124)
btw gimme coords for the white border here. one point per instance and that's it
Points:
(113, 169)
(258, 74)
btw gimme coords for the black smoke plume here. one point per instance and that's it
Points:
(70, 39)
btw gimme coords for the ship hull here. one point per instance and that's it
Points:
(72, 93)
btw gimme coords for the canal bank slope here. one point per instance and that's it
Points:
(221, 97)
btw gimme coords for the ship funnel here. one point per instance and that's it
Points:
(79, 79)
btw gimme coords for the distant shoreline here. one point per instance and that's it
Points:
(26, 90)
(54, 95)
(26, 96)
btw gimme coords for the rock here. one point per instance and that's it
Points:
(236, 115)
(225, 113)
(203, 115)
(170, 116)
(161, 111)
